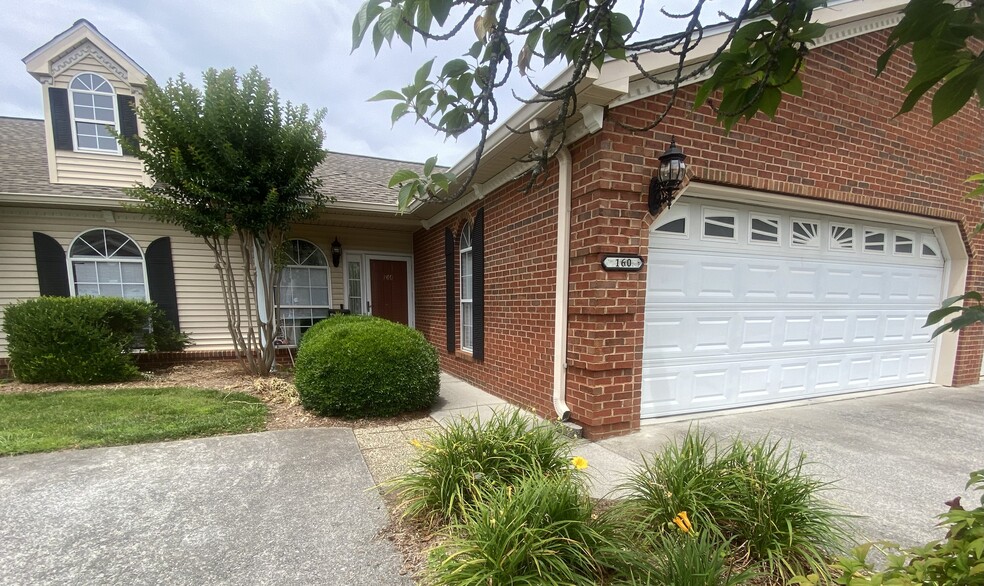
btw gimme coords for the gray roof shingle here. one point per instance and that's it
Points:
(24, 169)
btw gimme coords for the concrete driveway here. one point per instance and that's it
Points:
(894, 458)
(287, 507)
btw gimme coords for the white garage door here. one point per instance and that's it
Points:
(747, 306)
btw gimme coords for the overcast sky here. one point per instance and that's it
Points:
(303, 46)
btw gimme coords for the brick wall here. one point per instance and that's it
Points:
(520, 261)
(840, 142)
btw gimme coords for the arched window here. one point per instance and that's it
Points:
(94, 113)
(304, 294)
(107, 263)
(467, 324)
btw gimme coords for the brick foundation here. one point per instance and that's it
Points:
(153, 361)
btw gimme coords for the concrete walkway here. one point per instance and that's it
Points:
(283, 507)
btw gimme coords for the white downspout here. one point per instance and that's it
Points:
(563, 278)
(563, 270)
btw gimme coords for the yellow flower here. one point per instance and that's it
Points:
(417, 443)
(579, 463)
(683, 522)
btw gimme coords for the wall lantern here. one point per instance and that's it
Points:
(672, 170)
(336, 252)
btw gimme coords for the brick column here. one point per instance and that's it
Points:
(607, 312)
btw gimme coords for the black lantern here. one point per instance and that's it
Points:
(336, 252)
(672, 170)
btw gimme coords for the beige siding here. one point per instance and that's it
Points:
(352, 239)
(200, 305)
(97, 169)
(90, 64)
(202, 312)
(103, 169)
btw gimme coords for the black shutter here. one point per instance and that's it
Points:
(128, 118)
(478, 284)
(61, 121)
(160, 278)
(49, 257)
(449, 254)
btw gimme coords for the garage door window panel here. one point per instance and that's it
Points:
(805, 234)
(842, 238)
(764, 229)
(904, 244)
(874, 240)
(675, 222)
(719, 224)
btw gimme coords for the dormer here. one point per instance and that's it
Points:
(89, 86)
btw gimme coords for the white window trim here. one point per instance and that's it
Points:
(462, 301)
(70, 261)
(327, 268)
(71, 113)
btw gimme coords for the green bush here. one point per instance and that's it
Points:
(756, 496)
(458, 467)
(83, 339)
(541, 530)
(360, 366)
(956, 560)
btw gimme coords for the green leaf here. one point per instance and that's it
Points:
(454, 68)
(386, 24)
(402, 176)
(387, 95)
(420, 79)
(406, 191)
(937, 315)
(366, 14)
(399, 111)
(769, 102)
(794, 86)
(429, 165)
(441, 9)
(954, 95)
(809, 32)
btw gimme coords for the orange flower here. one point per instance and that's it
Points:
(683, 522)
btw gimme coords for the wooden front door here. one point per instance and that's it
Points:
(388, 294)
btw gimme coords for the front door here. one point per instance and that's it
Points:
(388, 294)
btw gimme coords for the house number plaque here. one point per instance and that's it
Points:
(622, 262)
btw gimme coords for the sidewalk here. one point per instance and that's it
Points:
(389, 450)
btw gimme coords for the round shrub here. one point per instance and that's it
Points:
(360, 366)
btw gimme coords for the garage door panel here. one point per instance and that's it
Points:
(740, 333)
(830, 311)
(716, 278)
(748, 383)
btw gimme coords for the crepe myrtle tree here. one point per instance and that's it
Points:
(234, 168)
(758, 60)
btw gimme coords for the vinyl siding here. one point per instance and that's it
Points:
(200, 306)
(199, 295)
(108, 170)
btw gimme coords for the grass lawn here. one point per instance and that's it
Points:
(43, 422)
